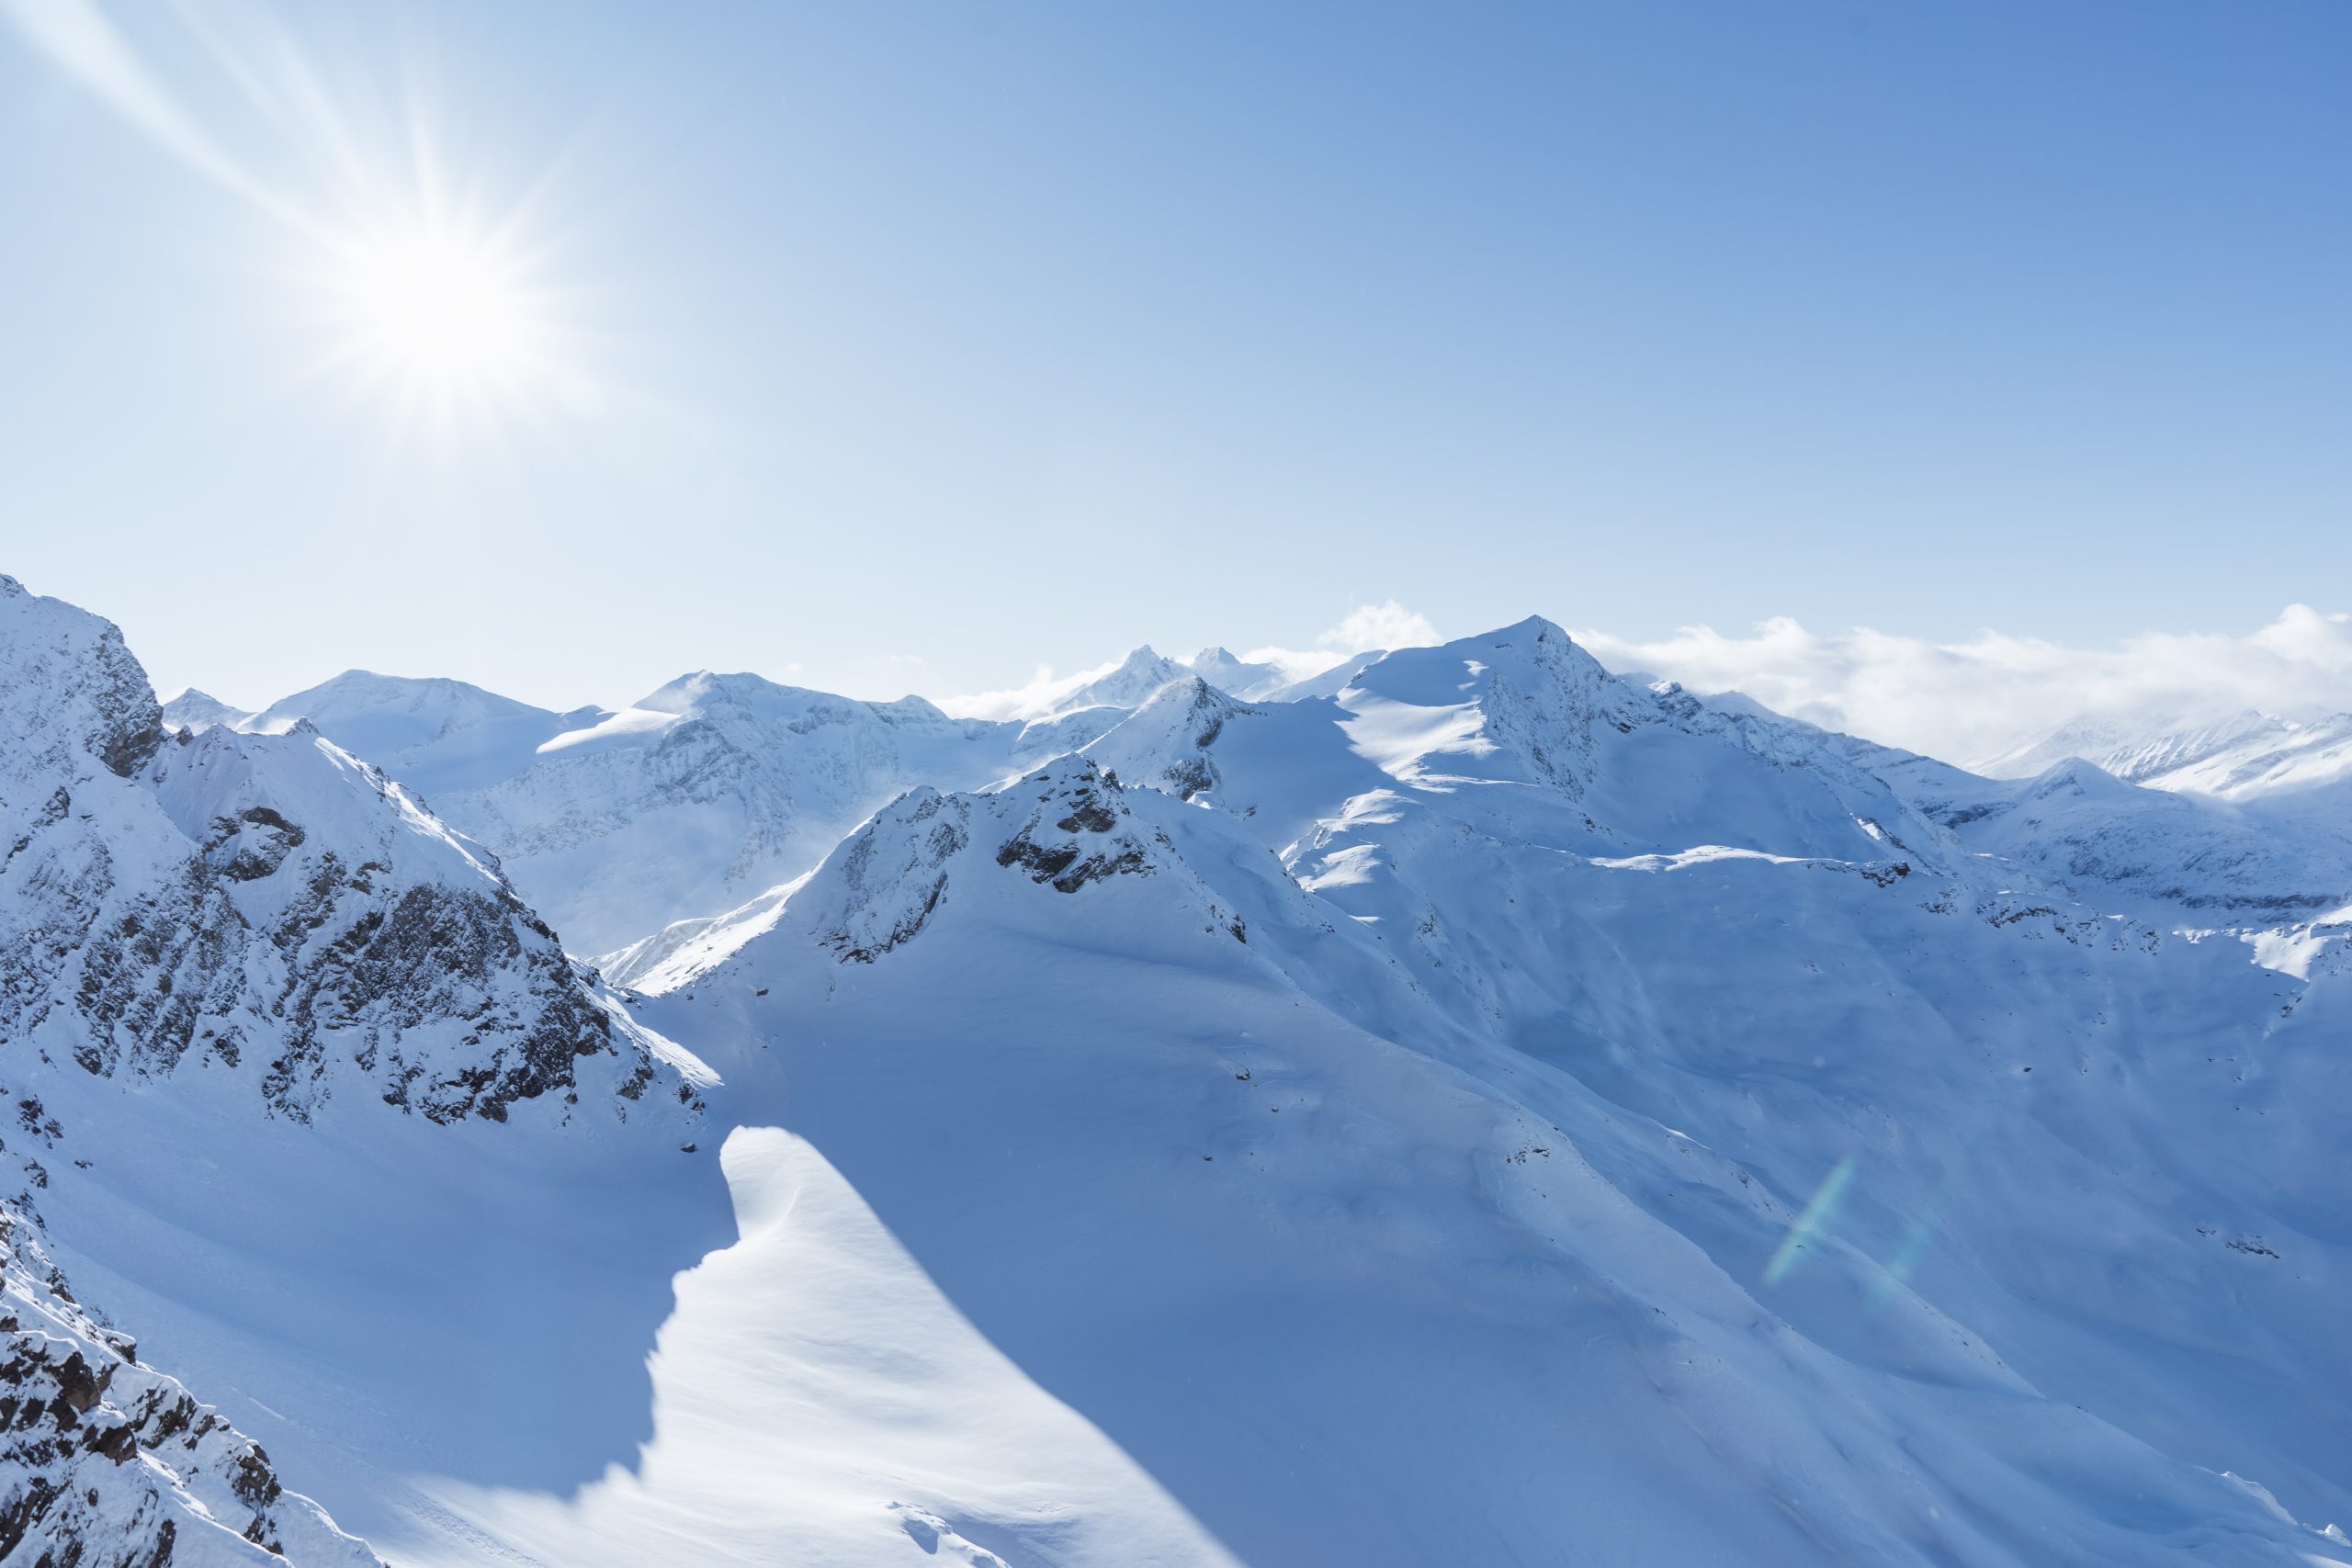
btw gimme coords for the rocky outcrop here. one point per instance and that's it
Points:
(272, 906)
(1065, 829)
(893, 882)
(1074, 837)
(104, 1459)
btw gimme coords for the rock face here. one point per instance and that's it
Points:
(266, 905)
(1064, 827)
(1049, 838)
(105, 1459)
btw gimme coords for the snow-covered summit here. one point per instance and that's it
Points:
(1238, 677)
(1135, 678)
(709, 790)
(193, 709)
(437, 735)
(268, 907)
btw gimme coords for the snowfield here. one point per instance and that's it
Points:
(1465, 1107)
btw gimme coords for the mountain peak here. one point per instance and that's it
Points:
(1535, 627)
(192, 709)
(70, 688)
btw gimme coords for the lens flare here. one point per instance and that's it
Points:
(1810, 1223)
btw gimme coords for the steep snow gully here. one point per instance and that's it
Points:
(1468, 1108)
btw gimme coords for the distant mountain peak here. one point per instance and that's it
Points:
(192, 709)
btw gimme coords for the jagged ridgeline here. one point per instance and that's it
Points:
(1466, 1106)
(269, 926)
(269, 905)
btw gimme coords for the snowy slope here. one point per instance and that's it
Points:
(2292, 760)
(2167, 856)
(218, 935)
(1669, 1121)
(2244, 756)
(1239, 676)
(1464, 1108)
(105, 1455)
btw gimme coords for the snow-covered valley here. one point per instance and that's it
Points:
(1466, 1108)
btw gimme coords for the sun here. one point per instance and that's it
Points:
(440, 315)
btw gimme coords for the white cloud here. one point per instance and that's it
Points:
(1384, 626)
(1296, 664)
(1363, 629)
(1041, 694)
(1970, 701)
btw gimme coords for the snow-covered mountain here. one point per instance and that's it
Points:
(631, 828)
(439, 738)
(2244, 756)
(1240, 677)
(1126, 683)
(252, 931)
(1464, 1108)
(197, 710)
(712, 789)
(618, 823)
(2169, 856)
(1789, 1182)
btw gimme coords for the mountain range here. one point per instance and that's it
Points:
(1465, 1107)
(2247, 755)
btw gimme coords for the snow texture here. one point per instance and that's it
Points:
(1465, 1108)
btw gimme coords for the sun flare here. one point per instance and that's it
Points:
(440, 314)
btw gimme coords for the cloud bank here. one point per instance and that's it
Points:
(1368, 627)
(1968, 701)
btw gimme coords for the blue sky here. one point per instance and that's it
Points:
(907, 346)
